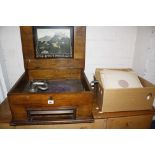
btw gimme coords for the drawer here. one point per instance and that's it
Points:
(51, 114)
(132, 122)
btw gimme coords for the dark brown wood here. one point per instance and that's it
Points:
(51, 114)
(5, 113)
(78, 61)
(140, 119)
(47, 68)
(60, 73)
(154, 110)
(20, 84)
(85, 82)
(79, 42)
(99, 95)
(19, 103)
(52, 69)
(27, 42)
(53, 122)
(54, 64)
(145, 83)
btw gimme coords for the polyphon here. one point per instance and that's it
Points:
(54, 87)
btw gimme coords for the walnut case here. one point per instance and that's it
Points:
(67, 106)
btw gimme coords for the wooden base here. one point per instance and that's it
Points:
(88, 120)
(121, 120)
(5, 113)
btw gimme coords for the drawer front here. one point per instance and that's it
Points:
(51, 114)
(82, 102)
(63, 99)
(132, 122)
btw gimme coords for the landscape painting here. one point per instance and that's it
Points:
(53, 42)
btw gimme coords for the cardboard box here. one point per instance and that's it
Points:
(126, 99)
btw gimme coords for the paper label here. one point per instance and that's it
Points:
(50, 101)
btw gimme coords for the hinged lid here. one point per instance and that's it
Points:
(31, 62)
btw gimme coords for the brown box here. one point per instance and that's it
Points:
(126, 99)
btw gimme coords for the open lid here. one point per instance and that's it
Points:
(53, 47)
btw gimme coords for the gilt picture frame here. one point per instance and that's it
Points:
(53, 41)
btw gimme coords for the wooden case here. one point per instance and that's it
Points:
(66, 107)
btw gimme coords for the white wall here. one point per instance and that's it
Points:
(109, 46)
(11, 59)
(3, 89)
(144, 57)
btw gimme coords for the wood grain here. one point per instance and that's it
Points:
(79, 42)
(60, 73)
(54, 64)
(132, 122)
(122, 120)
(78, 61)
(51, 69)
(27, 42)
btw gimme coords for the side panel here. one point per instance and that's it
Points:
(128, 99)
